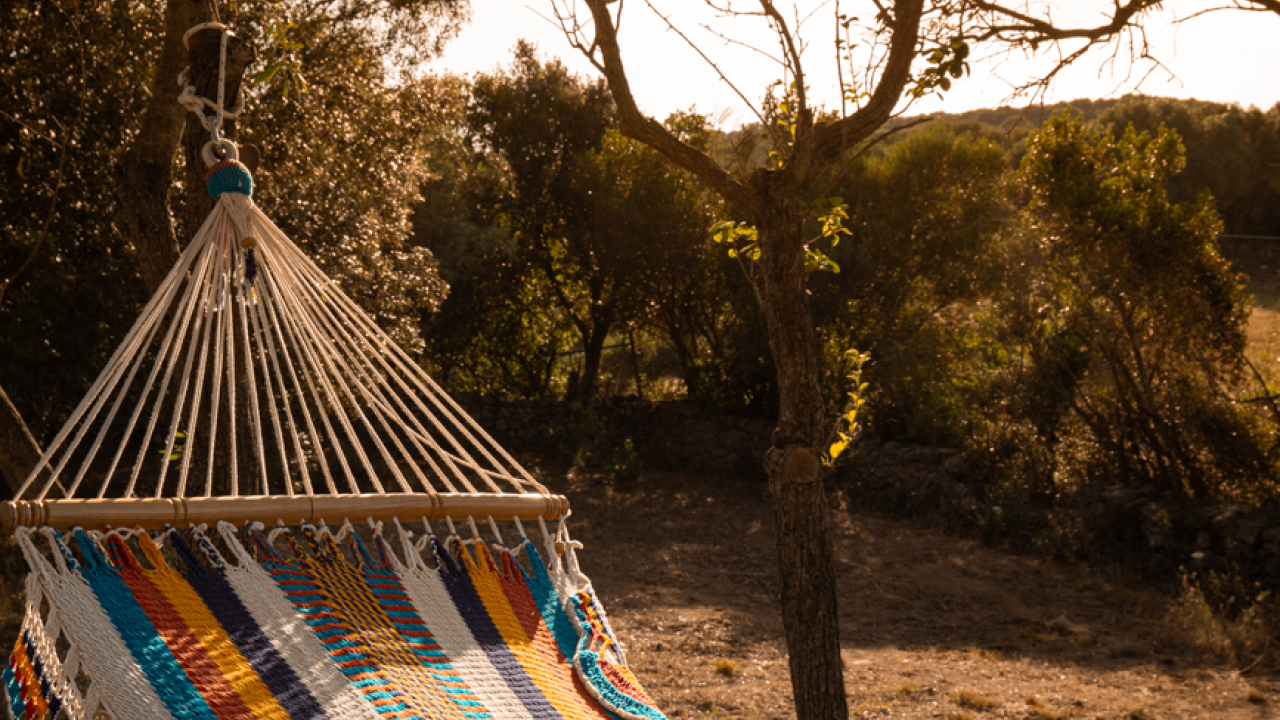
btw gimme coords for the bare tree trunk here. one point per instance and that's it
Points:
(635, 362)
(809, 617)
(19, 450)
(592, 351)
(145, 171)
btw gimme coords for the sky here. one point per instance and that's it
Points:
(1228, 56)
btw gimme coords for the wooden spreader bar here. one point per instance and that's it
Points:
(155, 513)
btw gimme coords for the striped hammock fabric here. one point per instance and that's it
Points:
(257, 624)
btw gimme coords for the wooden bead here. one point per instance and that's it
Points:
(249, 242)
(559, 547)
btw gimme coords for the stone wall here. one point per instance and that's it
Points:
(667, 435)
(1143, 525)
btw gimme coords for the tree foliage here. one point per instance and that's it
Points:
(590, 235)
(1230, 151)
(74, 77)
(343, 164)
(1132, 323)
(925, 216)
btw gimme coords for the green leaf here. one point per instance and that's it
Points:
(267, 74)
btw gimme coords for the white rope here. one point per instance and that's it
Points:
(304, 342)
(196, 104)
(189, 301)
(333, 346)
(262, 331)
(431, 598)
(221, 314)
(296, 349)
(255, 416)
(407, 368)
(279, 321)
(168, 288)
(228, 318)
(153, 308)
(189, 444)
(340, 339)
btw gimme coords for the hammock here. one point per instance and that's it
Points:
(180, 562)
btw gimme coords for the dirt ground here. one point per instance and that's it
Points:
(932, 626)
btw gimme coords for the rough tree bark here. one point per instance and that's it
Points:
(805, 564)
(145, 171)
(776, 200)
(596, 331)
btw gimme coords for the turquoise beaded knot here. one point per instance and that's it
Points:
(229, 176)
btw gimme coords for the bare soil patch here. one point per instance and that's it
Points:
(932, 626)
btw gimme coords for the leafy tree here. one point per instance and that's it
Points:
(912, 272)
(344, 162)
(69, 286)
(910, 58)
(543, 122)
(1132, 323)
(498, 331)
(1230, 151)
(598, 223)
(90, 138)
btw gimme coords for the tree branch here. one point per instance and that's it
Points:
(832, 140)
(636, 125)
(1044, 30)
(797, 70)
(715, 67)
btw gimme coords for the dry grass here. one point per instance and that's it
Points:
(1038, 709)
(1034, 637)
(1241, 638)
(913, 603)
(727, 668)
(985, 654)
(974, 701)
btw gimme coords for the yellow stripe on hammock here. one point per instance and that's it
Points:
(562, 696)
(217, 643)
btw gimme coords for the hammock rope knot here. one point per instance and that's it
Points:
(229, 176)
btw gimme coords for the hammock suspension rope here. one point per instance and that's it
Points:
(253, 393)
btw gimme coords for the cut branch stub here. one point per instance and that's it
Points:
(803, 465)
